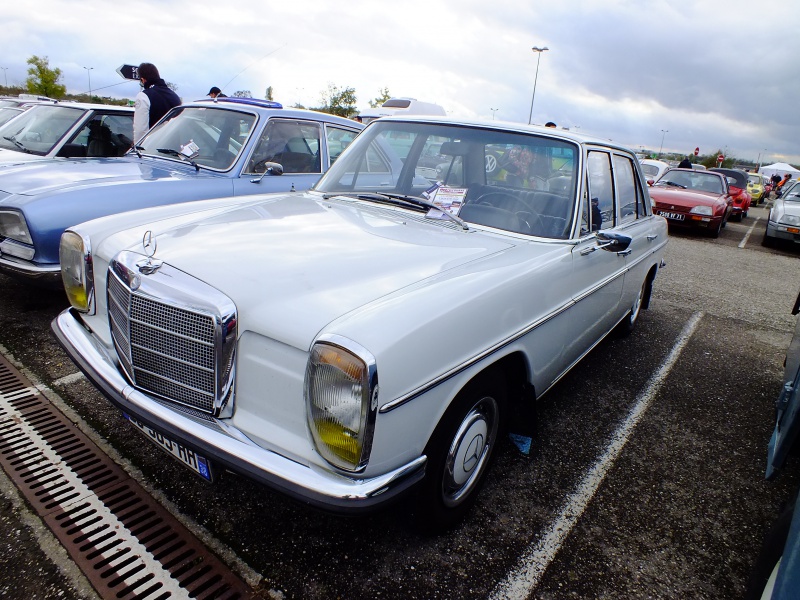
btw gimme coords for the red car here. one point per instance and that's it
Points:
(737, 188)
(697, 199)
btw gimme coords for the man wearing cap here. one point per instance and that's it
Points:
(153, 102)
(215, 92)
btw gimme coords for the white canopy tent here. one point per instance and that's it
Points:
(779, 168)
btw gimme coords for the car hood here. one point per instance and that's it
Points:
(293, 263)
(684, 198)
(43, 176)
(10, 157)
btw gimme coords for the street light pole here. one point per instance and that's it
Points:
(664, 132)
(88, 73)
(758, 160)
(538, 52)
(494, 110)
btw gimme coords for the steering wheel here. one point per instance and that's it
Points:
(523, 211)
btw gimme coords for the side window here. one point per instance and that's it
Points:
(601, 190)
(629, 193)
(106, 135)
(338, 139)
(293, 144)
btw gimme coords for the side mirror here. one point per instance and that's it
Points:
(613, 242)
(270, 168)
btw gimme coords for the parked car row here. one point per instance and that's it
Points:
(199, 150)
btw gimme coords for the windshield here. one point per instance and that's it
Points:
(8, 112)
(650, 169)
(754, 179)
(39, 128)
(208, 136)
(524, 183)
(693, 180)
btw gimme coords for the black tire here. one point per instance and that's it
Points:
(460, 452)
(628, 324)
(768, 242)
(771, 552)
(715, 232)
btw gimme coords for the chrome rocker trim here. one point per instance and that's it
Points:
(231, 450)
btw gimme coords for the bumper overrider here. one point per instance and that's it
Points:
(226, 446)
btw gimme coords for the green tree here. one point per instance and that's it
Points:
(44, 80)
(336, 101)
(242, 94)
(384, 96)
(268, 95)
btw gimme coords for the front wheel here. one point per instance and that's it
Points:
(628, 324)
(459, 453)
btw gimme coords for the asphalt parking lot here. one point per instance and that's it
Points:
(646, 478)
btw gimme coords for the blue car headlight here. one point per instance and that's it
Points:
(14, 229)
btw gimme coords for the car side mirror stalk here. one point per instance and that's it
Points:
(270, 168)
(613, 242)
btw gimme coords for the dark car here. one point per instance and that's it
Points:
(738, 191)
(776, 574)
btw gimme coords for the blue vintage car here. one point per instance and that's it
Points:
(777, 571)
(199, 150)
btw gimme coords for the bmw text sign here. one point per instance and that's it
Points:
(129, 72)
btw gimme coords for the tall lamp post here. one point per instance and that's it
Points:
(538, 52)
(89, 74)
(494, 110)
(758, 160)
(664, 132)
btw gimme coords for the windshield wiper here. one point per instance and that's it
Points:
(402, 199)
(171, 152)
(673, 184)
(16, 142)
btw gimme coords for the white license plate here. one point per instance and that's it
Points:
(671, 215)
(198, 464)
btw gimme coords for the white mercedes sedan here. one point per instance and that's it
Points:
(376, 335)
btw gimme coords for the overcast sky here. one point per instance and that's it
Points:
(719, 74)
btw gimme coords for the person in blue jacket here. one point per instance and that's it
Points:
(153, 102)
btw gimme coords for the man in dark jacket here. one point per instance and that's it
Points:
(153, 102)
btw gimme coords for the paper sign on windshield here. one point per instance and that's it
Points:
(446, 199)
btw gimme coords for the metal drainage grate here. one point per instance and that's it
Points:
(126, 543)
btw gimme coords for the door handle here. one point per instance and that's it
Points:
(588, 250)
(625, 252)
(652, 237)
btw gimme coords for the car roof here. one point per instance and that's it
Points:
(737, 174)
(258, 105)
(579, 138)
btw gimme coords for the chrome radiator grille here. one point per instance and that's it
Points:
(171, 351)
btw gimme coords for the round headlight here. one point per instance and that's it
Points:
(76, 271)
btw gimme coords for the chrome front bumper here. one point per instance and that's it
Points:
(30, 273)
(226, 446)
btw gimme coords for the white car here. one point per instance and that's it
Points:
(653, 169)
(784, 217)
(378, 332)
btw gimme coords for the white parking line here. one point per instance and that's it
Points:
(522, 580)
(749, 231)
